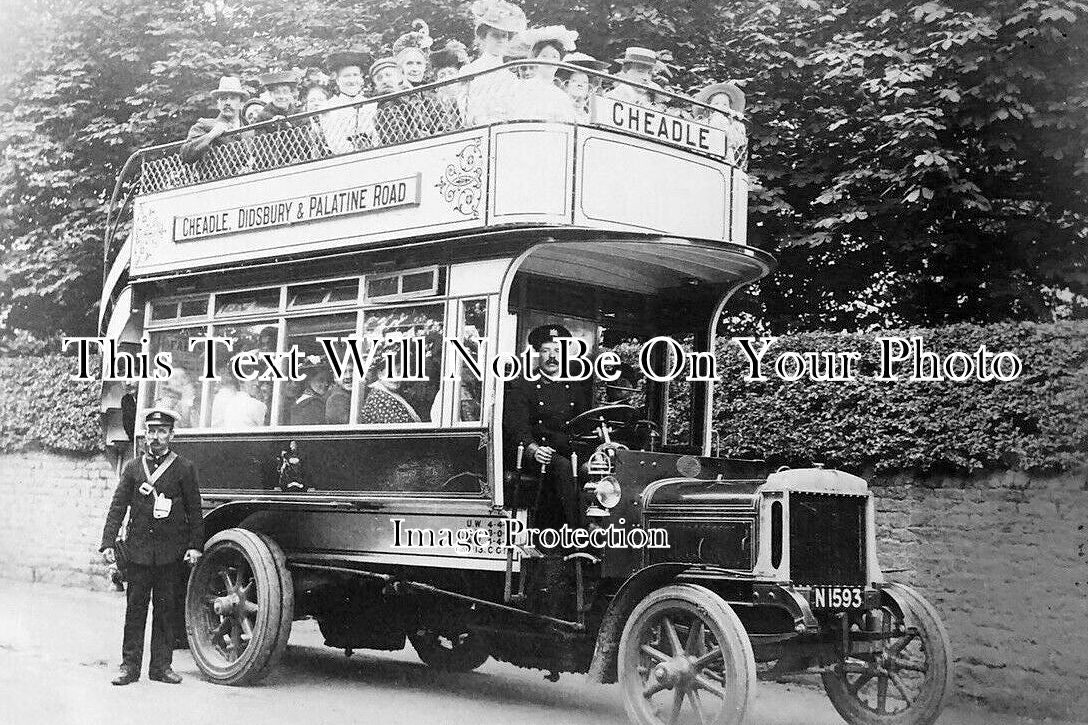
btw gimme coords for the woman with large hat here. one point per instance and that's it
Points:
(497, 22)
(350, 127)
(447, 63)
(537, 96)
(410, 51)
(729, 98)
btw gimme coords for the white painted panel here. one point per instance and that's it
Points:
(477, 278)
(452, 173)
(531, 173)
(740, 207)
(625, 183)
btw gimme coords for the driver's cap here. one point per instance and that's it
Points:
(547, 333)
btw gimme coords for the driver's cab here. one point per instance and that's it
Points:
(618, 296)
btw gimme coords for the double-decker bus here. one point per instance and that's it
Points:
(475, 224)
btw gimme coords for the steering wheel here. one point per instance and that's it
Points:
(584, 425)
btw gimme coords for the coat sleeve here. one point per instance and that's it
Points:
(190, 493)
(515, 418)
(195, 144)
(122, 496)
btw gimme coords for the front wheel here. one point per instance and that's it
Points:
(238, 607)
(907, 680)
(685, 658)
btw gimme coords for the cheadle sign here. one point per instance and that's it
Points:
(659, 126)
(368, 197)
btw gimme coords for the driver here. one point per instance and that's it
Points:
(535, 416)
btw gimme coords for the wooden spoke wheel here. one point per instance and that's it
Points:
(238, 607)
(685, 658)
(454, 649)
(906, 681)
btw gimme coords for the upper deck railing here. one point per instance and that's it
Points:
(498, 95)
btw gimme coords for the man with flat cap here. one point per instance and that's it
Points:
(159, 490)
(535, 416)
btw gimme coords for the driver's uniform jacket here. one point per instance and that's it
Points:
(152, 541)
(539, 411)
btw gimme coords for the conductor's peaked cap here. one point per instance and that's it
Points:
(547, 333)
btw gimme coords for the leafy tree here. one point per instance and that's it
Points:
(916, 162)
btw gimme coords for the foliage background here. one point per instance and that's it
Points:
(1038, 422)
(916, 163)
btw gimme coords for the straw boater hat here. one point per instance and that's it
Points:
(419, 39)
(500, 15)
(736, 95)
(586, 61)
(638, 56)
(230, 86)
(551, 34)
(453, 55)
(279, 78)
(345, 58)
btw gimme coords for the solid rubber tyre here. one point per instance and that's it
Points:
(245, 574)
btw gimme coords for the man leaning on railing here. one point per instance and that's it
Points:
(207, 132)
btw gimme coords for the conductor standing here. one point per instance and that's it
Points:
(160, 491)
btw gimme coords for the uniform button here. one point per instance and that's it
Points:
(572, 405)
(540, 402)
(538, 386)
(567, 387)
(538, 422)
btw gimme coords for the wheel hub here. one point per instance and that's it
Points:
(226, 606)
(674, 672)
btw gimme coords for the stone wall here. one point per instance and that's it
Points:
(1003, 556)
(52, 508)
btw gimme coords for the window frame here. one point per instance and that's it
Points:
(360, 306)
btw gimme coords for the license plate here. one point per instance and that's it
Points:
(831, 597)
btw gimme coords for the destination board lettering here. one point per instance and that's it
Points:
(660, 126)
(374, 196)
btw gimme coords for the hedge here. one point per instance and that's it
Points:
(41, 407)
(1038, 422)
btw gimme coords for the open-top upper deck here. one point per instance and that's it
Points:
(473, 155)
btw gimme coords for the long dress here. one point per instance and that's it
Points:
(486, 95)
(346, 127)
(538, 99)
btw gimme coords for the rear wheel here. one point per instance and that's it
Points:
(906, 681)
(238, 607)
(685, 658)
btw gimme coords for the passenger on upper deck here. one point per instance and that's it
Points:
(497, 22)
(448, 60)
(637, 66)
(410, 52)
(407, 117)
(537, 96)
(309, 407)
(252, 110)
(314, 99)
(229, 97)
(447, 63)
(349, 128)
(726, 96)
(580, 86)
(282, 88)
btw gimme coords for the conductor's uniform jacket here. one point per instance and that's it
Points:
(151, 541)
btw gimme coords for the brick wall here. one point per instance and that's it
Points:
(1004, 557)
